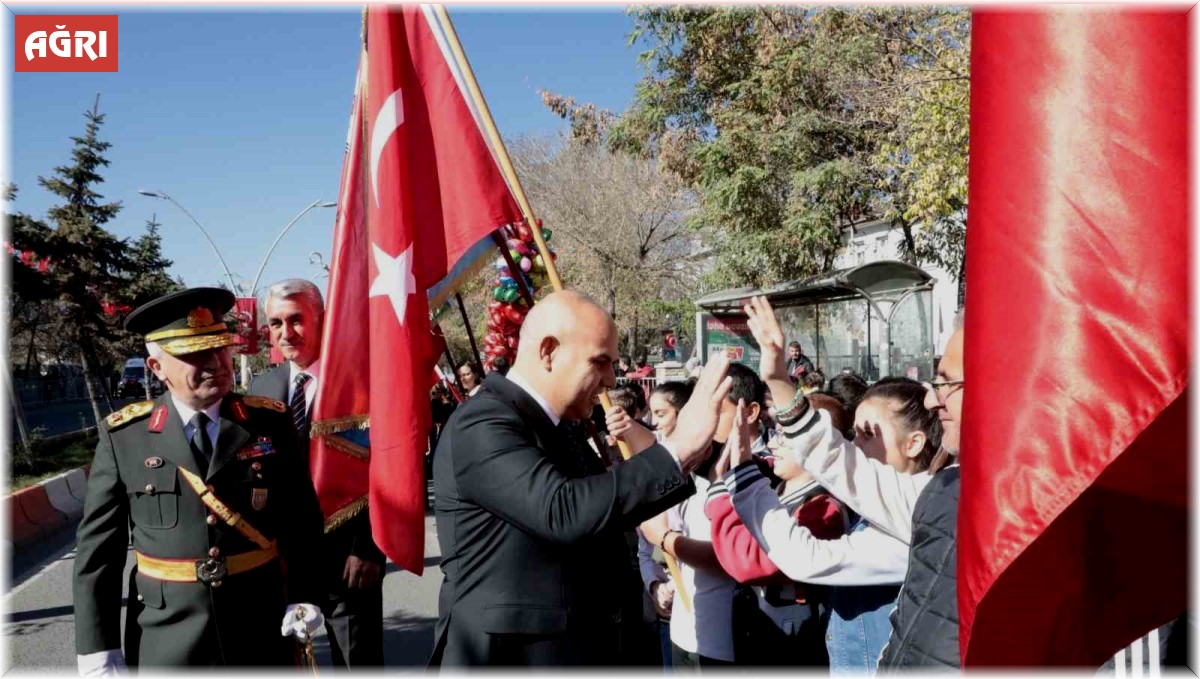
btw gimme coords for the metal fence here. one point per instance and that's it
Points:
(38, 391)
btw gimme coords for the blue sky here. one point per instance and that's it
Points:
(240, 115)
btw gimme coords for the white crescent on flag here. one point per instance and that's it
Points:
(390, 118)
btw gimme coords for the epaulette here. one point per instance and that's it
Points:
(261, 402)
(131, 412)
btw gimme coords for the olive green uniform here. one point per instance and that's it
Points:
(135, 490)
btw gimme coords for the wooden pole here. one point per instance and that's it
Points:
(493, 134)
(467, 322)
(514, 182)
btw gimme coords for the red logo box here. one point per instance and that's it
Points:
(62, 43)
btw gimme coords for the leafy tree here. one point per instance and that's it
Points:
(146, 279)
(793, 123)
(618, 224)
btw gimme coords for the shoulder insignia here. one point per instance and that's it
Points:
(158, 420)
(260, 402)
(129, 413)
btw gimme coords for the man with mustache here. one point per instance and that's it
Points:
(352, 565)
(211, 488)
(531, 525)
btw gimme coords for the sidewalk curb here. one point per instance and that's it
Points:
(40, 511)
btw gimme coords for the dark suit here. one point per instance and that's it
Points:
(531, 534)
(135, 490)
(353, 617)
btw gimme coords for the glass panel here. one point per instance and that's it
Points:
(799, 324)
(912, 343)
(842, 337)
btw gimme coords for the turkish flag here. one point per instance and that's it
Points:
(246, 310)
(339, 451)
(1072, 529)
(433, 192)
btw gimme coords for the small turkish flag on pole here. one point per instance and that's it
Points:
(1072, 529)
(433, 191)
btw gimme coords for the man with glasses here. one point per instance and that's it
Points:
(925, 621)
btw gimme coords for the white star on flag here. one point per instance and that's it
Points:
(395, 280)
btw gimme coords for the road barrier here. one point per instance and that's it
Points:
(42, 510)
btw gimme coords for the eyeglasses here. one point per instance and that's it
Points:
(943, 389)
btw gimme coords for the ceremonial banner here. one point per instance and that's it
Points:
(419, 194)
(1072, 533)
(338, 457)
(247, 330)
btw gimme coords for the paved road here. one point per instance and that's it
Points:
(60, 417)
(40, 633)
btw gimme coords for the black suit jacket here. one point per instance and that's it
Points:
(354, 536)
(531, 534)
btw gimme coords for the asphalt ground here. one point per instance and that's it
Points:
(39, 635)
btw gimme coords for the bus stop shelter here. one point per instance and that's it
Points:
(875, 319)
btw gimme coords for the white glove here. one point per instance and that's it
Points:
(302, 621)
(102, 664)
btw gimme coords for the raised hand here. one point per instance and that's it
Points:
(697, 421)
(740, 438)
(760, 317)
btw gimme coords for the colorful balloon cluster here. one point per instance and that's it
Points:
(507, 310)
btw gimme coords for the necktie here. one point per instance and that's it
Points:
(299, 405)
(201, 445)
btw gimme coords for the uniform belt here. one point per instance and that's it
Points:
(209, 570)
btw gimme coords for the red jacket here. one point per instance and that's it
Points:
(740, 554)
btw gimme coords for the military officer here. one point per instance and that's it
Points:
(211, 487)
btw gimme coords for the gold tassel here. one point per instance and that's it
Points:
(348, 447)
(344, 514)
(339, 424)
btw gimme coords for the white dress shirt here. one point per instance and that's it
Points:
(310, 387)
(186, 414)
(514, 377)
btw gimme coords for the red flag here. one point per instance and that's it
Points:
(432, 193)
(1072, 533)
(338, 458)
(247, 313)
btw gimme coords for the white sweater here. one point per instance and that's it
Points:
(866, 557)
(876, 491)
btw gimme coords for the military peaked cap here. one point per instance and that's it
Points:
(185, 322)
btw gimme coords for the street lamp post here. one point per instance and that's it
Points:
(237, 290)
(160, 194)
(263, 266)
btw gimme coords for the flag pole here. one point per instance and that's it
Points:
(514, 182)
(506, 165)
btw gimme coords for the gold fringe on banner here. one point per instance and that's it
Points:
(344, 514)
(348, 447)
(338, 424)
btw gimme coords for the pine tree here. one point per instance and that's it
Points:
(93, 263)
(147, 280)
